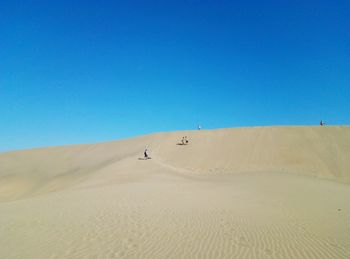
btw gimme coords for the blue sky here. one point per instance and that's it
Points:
(89, 71)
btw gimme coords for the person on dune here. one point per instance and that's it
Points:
(146, 156)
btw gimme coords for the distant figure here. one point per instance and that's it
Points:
(186, 140)
(146, 153)
(199, 127)
(322, 123)
(183, 141)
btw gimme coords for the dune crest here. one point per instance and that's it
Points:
(312, 151)
(263, 192)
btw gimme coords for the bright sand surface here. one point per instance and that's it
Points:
(263, 192)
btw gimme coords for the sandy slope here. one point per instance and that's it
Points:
(265, 192)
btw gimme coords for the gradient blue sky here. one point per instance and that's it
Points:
(88, 71)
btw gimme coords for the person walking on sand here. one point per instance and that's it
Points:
(146, 154)
(321, 123)
(183, 141)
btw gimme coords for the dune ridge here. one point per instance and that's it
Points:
(261, 192)
(316, 151)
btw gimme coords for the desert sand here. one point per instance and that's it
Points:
(260, 192)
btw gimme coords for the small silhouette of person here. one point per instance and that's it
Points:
(146, 153)
(321, 123)
(183, 141)
(186, 140)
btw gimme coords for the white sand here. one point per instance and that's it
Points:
(265, 192)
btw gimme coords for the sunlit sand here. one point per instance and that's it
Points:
(262, 192)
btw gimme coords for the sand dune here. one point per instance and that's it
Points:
(263, 192)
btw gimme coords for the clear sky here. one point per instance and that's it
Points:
(89, 71)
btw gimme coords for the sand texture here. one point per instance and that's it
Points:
(262, 192)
